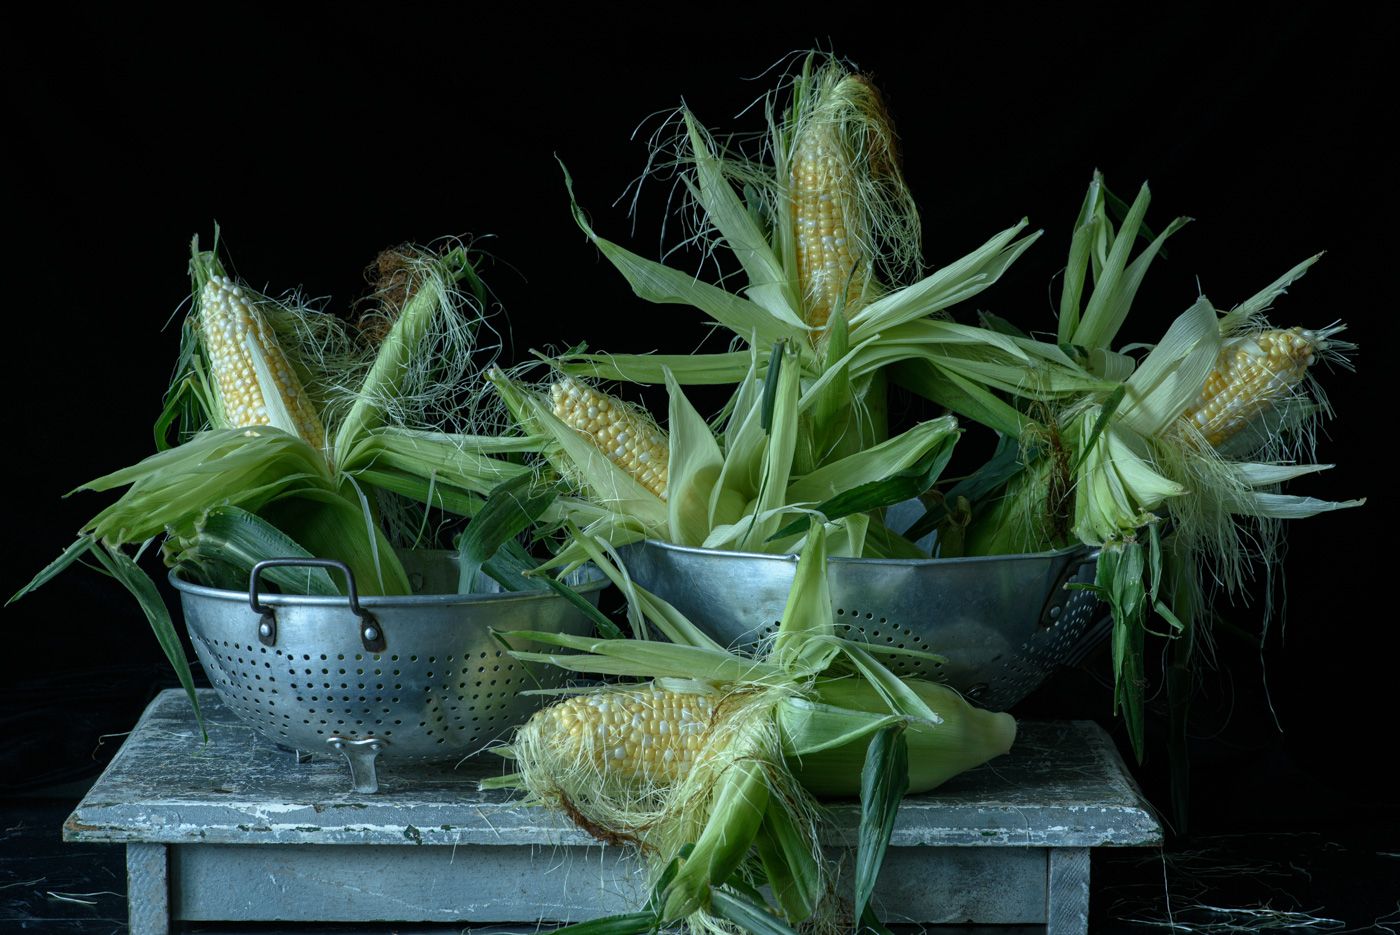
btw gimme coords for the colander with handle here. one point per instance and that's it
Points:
(417, 677)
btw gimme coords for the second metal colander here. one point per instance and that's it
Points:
(1003, 622)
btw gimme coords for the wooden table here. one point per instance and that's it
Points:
(238, 830)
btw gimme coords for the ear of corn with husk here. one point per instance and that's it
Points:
(710, 764)
(827, 237)
(1190, 438)
(733, 489)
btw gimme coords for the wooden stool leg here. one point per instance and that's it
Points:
(148, 889)
(1067, 891)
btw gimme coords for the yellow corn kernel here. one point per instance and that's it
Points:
(1252, 373)
(233, 332)
(626, 435)
(649, 734)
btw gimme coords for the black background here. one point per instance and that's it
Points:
(317, 135)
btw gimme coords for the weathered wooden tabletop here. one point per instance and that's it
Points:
(1063, 785)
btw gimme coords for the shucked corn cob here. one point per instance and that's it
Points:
(245, 358)
(628, 438)
(1252, 373)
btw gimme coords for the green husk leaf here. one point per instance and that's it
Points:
(899, 696)
(688, 369)
(770, 387)
(1125, 289)
(793, 874)
(994, 322)
(120, 566)
(903, 485)
(954, 283)
(68, 556)
(1287, 506)
(1102, 314)
(169, 488)
(633, 657)
(747, 916)
(695, 466)
(1254, 474)
(241, 539)
(898, 455)
(1119, 581)
(330, 525)
(1238, 316)
(829, 400)
(427, 490)
(870, 923)
(510, 509)
(606, 628)
(965, 397)
(640, 602)
(810, 727)
(1086, 229)
(658, 283)
(177, 406)
(769, 284)
(509, 566)
(808, 612)
(777, 460)
(883, 781)
(1171, 376)
(1006, 462)
(391, 363)
(1106, 411)
(735, 816)
(461, 461)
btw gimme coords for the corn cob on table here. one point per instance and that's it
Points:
(239, 830)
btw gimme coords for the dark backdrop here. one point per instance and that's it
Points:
(317, 135)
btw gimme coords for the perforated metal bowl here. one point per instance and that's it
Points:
(418, 677)
(1003, 622)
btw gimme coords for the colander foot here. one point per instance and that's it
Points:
(360, 754)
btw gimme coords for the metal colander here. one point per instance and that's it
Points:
(418, 677)
(1003, 622)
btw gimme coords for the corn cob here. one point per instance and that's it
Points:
(627, 436)
(829, 268)
(851, 211)
(234, 332)
(648, 734)
(1252, 373)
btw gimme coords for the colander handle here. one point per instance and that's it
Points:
(371, 633)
